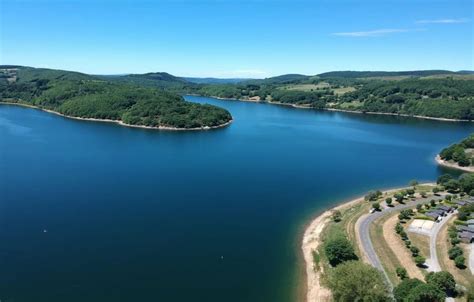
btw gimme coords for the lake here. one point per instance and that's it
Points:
(98, 212)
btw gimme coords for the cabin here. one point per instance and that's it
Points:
(433, 215)
(466, 237)
(467, 229)
(446, 209)
(439, 212)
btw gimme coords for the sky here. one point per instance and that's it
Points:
(257, 39)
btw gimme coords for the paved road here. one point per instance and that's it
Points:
(434, 262)
(364, 225)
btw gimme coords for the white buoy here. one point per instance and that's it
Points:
(45, 231)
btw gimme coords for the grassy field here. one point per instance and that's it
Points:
(384, 252)
(422, 242)
(306, 87)
(351, 105)
(342, 90)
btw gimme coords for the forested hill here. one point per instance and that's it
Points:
(152, 79)
(430, 93)
(81, 95)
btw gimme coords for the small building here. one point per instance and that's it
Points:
(466, 237)
(470, 221)
(440, 212)
(446, 209)
(461, 203)
(467, 229)
(433, 215)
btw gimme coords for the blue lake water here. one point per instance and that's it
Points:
(99, 212)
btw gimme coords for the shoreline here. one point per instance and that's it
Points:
(120, 122)
(340, 110)
(444, 163)
(312, 240)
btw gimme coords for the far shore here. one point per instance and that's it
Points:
(342, 110)
(121, 123)
(315, 291)
(452, 165)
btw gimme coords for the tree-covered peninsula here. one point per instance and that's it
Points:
(460, 154)
(84, 96)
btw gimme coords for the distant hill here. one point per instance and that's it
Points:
(282, 79)
(466, 72)
(371, 74)
(152, 79)
(216, 80)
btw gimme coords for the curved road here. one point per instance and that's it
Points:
(434, 262)
(364, 231)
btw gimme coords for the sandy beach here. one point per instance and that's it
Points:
(119, 121)
(453, 165)
(311, 241)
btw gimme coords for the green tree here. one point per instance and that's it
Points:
(443, 179)
(414, 251)
(399, 197)
(420, 260)
(338, 250)
(404, 288)
(388, 201)
(356, 281)
(452, 185)
(376, 206)
(426, 293)
(442, 280)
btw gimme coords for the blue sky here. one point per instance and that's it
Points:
(237, 38)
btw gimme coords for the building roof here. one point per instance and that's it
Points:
(432, 214)
(446, 208)
(465, 229)
(466, 235)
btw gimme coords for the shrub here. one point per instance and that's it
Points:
(398, 228)
(460, 261)
(455, 252)
(402, 273)
(388, 201)
(336, 216)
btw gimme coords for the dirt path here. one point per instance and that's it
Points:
(399, 249)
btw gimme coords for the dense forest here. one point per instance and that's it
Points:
(461, 153)
(80, 95)
(449, 95)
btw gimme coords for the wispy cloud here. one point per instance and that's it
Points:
(372, 33)
(443, 21)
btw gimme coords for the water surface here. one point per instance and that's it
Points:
(99, 212)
